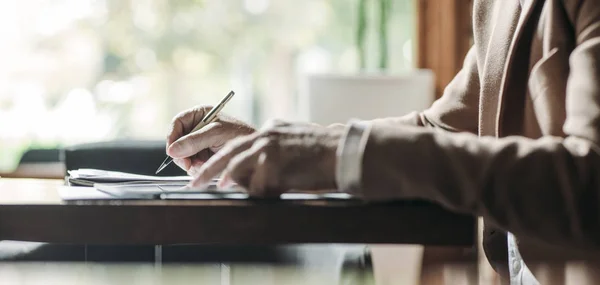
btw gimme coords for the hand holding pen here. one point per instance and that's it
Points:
(198, 133)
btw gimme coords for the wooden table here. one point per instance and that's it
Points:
(31, 210)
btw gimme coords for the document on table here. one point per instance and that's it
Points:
(113, 185)
(88, 177)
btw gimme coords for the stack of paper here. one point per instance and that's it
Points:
(88, 177)
(105, 184)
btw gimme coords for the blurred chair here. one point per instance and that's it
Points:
(43, 155)
(135, 156)
(39, 163)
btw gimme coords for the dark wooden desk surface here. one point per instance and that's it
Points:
(31, 210)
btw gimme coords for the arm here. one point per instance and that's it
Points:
(455, 111)
(547, 189)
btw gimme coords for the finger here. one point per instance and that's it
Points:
(184, 122)
(197, 162)
(200, 158)
(190, 144)
(242, 168)
(225, 181)
(183, 163)
(259, 183)
(197, 184)
(193, 171)
(191, 184)
(219, 161)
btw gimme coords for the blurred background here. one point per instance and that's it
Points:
(76, 71)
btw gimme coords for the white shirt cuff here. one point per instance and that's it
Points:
(349, 156)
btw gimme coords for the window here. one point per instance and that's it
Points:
(91, 70)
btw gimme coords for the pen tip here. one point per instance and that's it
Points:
(163, 164)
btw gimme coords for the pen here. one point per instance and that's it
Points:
(208, 118)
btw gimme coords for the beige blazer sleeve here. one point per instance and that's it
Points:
(456, 110)
(546, 189)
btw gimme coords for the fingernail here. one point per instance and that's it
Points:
(192, 172)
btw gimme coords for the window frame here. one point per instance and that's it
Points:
(444, 36)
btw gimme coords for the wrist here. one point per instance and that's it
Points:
(349, 156)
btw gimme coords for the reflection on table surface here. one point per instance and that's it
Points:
(132, 274)
(300, 264)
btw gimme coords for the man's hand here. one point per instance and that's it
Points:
(277, 158)
(191, 150)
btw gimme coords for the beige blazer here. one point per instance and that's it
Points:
(515, 137)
